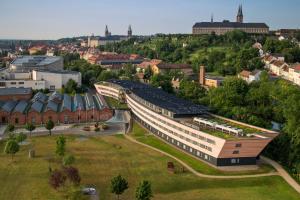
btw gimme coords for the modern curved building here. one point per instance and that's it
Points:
(190, 127)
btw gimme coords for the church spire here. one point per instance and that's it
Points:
(129, 31)
(212, 18)
(240, 16)
(106, 31)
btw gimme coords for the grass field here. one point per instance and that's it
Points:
(115, 104)
(143, 136)
(100, 158)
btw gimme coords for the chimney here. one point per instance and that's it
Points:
(202, 75)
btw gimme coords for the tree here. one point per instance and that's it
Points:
(72, 175)
(144, 191)
(71, 86)
(29, 127)
(57, 179)
(60, 146)
(10, 128)
(118, 185)
(68, 160)
(49, 126)
(11, 147)
(21, 137)
(162, 81)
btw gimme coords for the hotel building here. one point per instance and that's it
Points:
(190, 127)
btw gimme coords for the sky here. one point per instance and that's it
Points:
(54, 19)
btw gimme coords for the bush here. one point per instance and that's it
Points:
(57, 179)
(21, 137)
(68, 160)
(10, 128)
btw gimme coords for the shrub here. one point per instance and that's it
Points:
(68, 160)
(21, 137)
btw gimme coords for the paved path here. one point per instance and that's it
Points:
(281, 171)
(198, 173)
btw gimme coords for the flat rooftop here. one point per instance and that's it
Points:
(15, 91)
(35, 60)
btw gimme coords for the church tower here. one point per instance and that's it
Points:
(240, 16)
(129, 31)
(107, 33)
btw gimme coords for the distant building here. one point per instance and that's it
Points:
(37, 72)
(95, 41)
(36, 49)
(15, 94)
(220, 28)
(165, 67)
(29, 63)
(249, 77)
(209, 81)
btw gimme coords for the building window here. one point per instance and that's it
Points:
(238, 145)
(16, 120)
(2, 84)
(21, 83)
(33, 120)
(13, 83)
(233, 161)
(236, 152)
(191, 150)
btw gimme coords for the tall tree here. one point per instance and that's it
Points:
(144, 191)
(49, 126)
(11, 147)
(118, 185)
(60, 145)
(30, 127)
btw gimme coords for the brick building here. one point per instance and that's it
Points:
(61, 109)
(15, 94)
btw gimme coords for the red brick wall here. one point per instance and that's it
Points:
(4, 117)
(21, 118)
(82, 115)
(15, 97)
(40, 118)
(33, 114)
(71, 117)
(49, 114)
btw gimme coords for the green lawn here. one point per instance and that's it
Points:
(100, 158)
(142, 135)
(113, 103)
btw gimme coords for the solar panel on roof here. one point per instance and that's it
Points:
(161, 98)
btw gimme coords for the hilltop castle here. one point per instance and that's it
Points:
(220, 28)
(94, 41)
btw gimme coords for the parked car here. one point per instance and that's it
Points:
(89, 191)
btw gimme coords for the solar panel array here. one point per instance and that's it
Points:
(161, 98)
